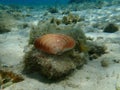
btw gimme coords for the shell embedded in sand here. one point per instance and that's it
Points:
(54, 43)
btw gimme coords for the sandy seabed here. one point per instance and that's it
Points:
(92, 76)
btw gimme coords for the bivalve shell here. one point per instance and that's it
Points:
(54, 43)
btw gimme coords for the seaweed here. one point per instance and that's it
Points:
(7, 78)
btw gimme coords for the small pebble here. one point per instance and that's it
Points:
(104, 63)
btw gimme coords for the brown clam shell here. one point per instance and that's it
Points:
(54, 43)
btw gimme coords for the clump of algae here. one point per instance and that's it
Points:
(6, 22)
(56, 66)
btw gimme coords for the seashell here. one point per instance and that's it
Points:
(54, 43)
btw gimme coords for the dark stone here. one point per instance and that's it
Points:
(53, 10)
(111, 28)
(4, 31)
(96, 50)
(80, 1)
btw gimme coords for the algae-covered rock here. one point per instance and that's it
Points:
(53, 10)
(3, 29)
(71, 18)
(111, 28)
(104, 63)
(6, 22)
(56, 66)
(96, 50)
(77, 1)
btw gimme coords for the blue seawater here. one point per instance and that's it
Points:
(34, 2)
(44, 2)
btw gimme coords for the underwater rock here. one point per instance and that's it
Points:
(53, 10)
(3, 29)
(6, 22)
(111, 28)
(67, 19)
(66, 12)
(53, 66)
(77, 1)
(95, 50)
(56, 66)
(71, 18)
(104, 63)
(116, 61)
(56, 21)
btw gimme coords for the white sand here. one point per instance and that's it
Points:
(92, 76)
